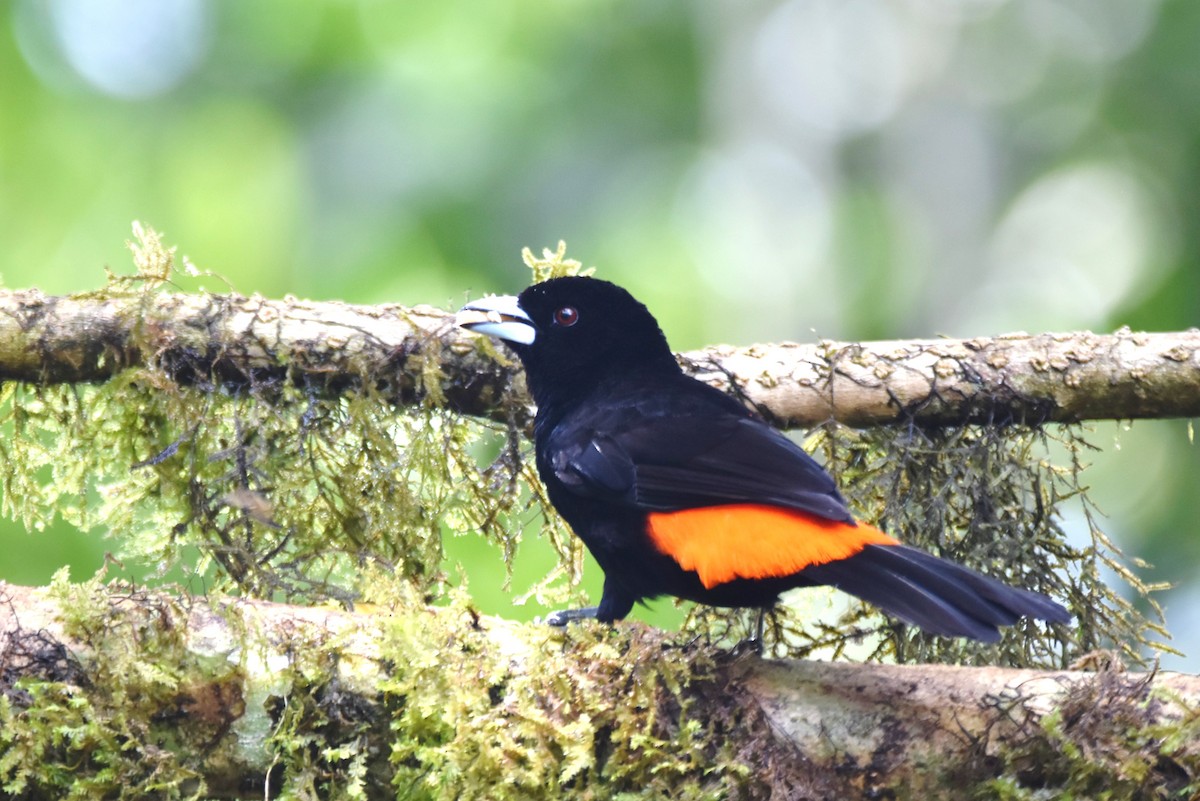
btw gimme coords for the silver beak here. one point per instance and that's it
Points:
(499, 316)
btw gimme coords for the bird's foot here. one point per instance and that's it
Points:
(564, 616)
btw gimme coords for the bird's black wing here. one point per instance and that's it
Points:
(663, 463)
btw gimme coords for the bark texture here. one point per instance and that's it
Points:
(406, 352)
(233, 341)
(806, 729)
(1064, 377)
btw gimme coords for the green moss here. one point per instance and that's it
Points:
(263, 486)
(552, 264)
(516, 712)
(602, 713)
(286, 494)
(1111, 739)
(124, 727)
(593, 713)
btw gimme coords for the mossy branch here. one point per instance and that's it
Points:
(123, 690)
(407, 353)
(212, 340)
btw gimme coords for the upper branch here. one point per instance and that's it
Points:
(1056, 377)
(231, 340)
(405, 353)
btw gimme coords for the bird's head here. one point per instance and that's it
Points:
(575, 330)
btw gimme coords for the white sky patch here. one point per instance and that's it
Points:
(810, 65)
(134, 49)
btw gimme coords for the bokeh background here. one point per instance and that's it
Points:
(754, 171)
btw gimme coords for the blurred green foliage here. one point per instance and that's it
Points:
(754, 172)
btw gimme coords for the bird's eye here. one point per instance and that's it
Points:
(567, 316)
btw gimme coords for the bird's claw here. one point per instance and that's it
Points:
(564, 616)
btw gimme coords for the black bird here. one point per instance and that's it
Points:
(677, 489)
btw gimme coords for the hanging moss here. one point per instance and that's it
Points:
(261, 485)
(990, 497)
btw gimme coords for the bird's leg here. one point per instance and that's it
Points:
(615, 604)
(759, 624)
(755, 638)
(564, 616)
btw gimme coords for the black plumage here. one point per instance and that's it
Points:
(626, 441)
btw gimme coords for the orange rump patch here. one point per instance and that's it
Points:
(723, 543)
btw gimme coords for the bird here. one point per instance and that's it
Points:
(678, 489)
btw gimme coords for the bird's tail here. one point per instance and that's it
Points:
(937, 595)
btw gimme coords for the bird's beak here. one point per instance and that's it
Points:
(499, 316)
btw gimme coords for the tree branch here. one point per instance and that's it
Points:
(1015, 377)
(236, 341)
(331, 347)
(241, 685)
